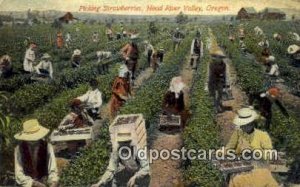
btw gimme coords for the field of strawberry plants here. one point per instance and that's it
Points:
(284, 130)
(88, 168)
(202, 132)
(49, 101)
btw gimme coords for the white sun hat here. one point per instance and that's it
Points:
(271, 59)
(245, 116)
(292, 49)
(77, 52)
(275, 35)
(46, 56)
(32, 131)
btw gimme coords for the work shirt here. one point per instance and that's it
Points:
(113, 169)
(93, 98)
(29, 60)
(45, 66)
(198, 48)
(274, 70)
(26, 181)
(257, 140)
(255, 178)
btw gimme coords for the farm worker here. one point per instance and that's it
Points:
(295, 36)
(120, 91)
(149, 49)
(242, 33)
(196, 51)
(109, 34)
(277, 36)
(154, 60)
(29, 58)
(177, 38)
(44, 68)
(217, 77)
(266, 51)
(95, 37)
(75, 119)
(160, 54)
(68, 40)
(59, 40)
(173, 102)
(265, 102)
(76, 58)
(5, 66)
(294, 51)
(92, 99)
(274, 69)
(247, 137)
(258, 31)
(264, 43)
(34, 157)
(130, 172)
(130, 53)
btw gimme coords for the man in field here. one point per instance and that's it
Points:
(131, 172)
(121, 90)
(30, 58)
(264, 102)
(247, 137)
(34, 158)
(196, 51)
(177, 38)
(294, 52)
(5, 66)
(217, 77)
(44, 68)
(131, 54)
(149, 50)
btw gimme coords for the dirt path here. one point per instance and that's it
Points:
(224, 120)
(167, 173)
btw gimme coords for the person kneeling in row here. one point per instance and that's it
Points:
(44, 69)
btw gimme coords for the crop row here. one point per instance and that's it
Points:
(284, 130)
(88, 168)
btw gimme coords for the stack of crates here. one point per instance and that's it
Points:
(132, 125)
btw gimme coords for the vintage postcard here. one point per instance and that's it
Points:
(159, 93)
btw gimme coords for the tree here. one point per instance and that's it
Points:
(181, 18)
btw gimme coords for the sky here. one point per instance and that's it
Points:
(205, 7)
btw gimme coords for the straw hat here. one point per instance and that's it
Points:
(77, 52)
(245, 116)
(32, 131)
(46, 56)
(292, 49)
(217, 52)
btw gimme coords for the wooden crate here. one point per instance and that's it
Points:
(228, 167)
(72, 134)
(133, 124)
(169, 121)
